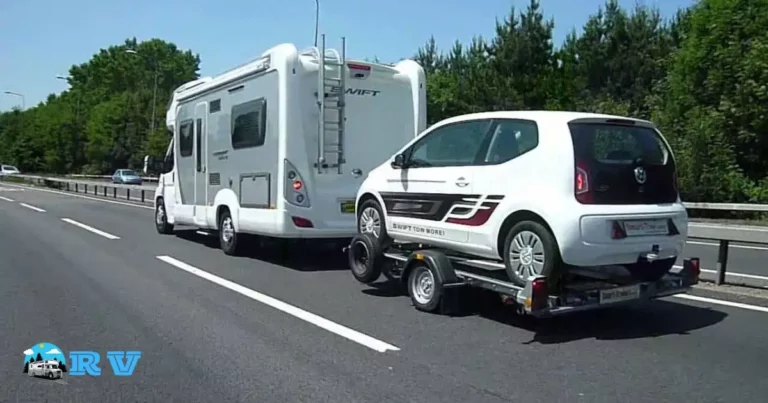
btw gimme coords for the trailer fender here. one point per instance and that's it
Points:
(435, 260)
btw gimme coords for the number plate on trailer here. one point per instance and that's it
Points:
(348, 207)
(646, 227)
(620, 294)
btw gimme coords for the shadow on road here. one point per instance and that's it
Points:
(645, 320)
(653, 319)
(300, 256)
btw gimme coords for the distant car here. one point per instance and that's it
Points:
(9, 170)
(126, 177)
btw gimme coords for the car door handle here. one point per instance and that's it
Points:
(461, 182)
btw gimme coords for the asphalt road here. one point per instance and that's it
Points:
(204, 342)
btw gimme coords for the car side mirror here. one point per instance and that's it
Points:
(398, 162)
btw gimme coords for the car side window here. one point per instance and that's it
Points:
(510, 139)
(456, 144)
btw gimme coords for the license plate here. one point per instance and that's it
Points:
(650, 227)
(619, 294)
(348, 207)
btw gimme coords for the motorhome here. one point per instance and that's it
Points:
(48, 368)
(279, 146)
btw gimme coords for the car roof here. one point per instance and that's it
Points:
(562, 116)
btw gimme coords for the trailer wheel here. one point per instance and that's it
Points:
(364, 257)
(530, 249)
(424, 288)
(228, 238)
(161, 218)
(370, 220)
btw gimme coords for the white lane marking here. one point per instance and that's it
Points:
(730, 246)
(6, 199)
(729, 273)
(60, 382)
(89, 228)
(721, 302)
(38, 209)
(316, 320)
(84, 197)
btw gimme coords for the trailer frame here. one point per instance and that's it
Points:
(435, 279)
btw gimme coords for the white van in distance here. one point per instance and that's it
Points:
(279, 146)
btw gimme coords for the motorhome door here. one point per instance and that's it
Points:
(201, 175)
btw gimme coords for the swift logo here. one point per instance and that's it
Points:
(356, 91)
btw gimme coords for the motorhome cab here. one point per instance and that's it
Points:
(255, 150)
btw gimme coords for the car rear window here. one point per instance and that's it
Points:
(129, 173)
(618, 144)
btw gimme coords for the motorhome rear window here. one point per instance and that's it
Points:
(249, 121)
(186, 142)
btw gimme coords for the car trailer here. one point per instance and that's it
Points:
(436, 280)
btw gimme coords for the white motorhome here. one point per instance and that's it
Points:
(256, 151)
(48, 368)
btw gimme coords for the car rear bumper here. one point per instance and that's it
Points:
(592, 243)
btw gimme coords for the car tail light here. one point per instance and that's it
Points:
(302, 222)
(617, 232)
(539, 294)
(295, 187)
(581, 186)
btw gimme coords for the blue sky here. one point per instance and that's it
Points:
(40, 39)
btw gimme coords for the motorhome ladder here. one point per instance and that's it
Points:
(331, 84)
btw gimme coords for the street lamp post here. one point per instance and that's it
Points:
(154, 90)
(23, 101)
(317, 18)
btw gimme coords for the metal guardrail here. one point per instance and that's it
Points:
(79, 186)
(724, 234)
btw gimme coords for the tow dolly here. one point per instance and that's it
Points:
(436, 279)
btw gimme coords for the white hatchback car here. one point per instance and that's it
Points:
(535, 189)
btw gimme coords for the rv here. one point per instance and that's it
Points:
(279, 146)
(48, 368)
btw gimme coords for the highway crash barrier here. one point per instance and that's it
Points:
(724, 234)
(106, 189)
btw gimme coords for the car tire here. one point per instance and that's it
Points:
(369, 216)
(529, 249)
(365, 258)
(230, 241)
(161, 218)
(652, 271)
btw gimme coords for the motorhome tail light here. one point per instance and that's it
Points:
(302, 222)
(581, 185)
(295, 187)
(539, 294)
(617, 231)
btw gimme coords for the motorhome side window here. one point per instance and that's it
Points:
(249, 121)
(186, 140)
